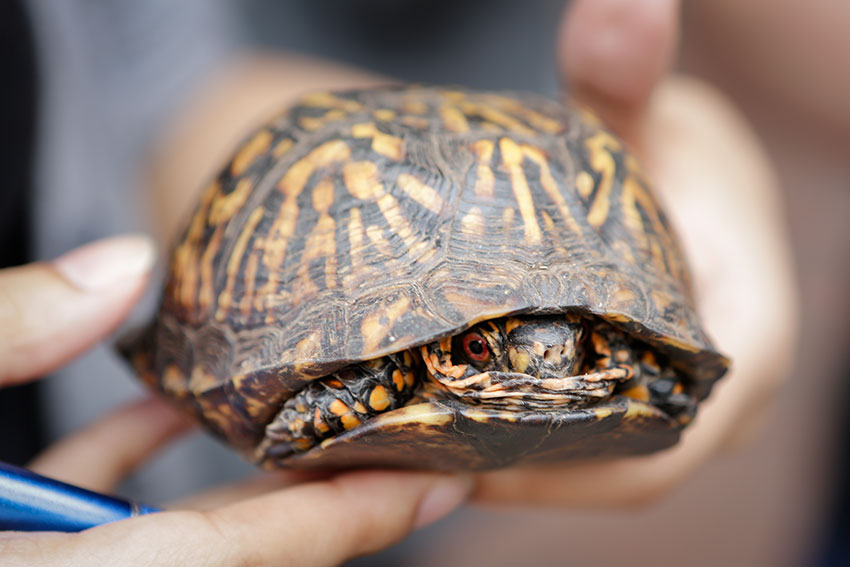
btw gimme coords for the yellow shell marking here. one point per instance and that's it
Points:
(423, 194)
(256, 146)
(374, 330)
(584, 184)
(324, 99)
(205, 293)
(484, 180)
(453, 119)
(364, 130)
(388, 146)
(185, 262)
(225, 206)
(315, 122)
(496, 116)
(384, 114)
(250, 279)
(291, 185)
(551, 186)
(600, 147)
(512, 160)
(356, 243)
(472, 223)
(282, 147)
(362, 180)
(225, 299)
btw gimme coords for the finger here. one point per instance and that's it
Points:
(322, 523)
(612, 54)
(102, 454)
(50, 312)
(250, 488)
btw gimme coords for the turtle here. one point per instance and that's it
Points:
(431, 277)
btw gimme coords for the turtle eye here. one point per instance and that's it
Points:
(475, 348)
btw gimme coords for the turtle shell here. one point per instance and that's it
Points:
(362, 223)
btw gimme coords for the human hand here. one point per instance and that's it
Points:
(50, 312)
(720, 194)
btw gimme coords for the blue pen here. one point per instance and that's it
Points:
(31, 502)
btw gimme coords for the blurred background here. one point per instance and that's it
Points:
(90, 85)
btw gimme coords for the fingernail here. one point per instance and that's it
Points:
(108, 262)
(446, 495)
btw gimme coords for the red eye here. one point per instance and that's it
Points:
(475, 347)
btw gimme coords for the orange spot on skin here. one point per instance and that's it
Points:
(511, 324)
(378, 399)
(319, 423)
(409, 379)
(639, 392)
(359, 408)
(350, 421)
(302, 444)
(338, 408)
(398, 380)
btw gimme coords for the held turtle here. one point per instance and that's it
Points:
(431, 278)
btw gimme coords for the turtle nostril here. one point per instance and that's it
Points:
(554, 354)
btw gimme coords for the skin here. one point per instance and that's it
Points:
(707, 166)
(58, 309)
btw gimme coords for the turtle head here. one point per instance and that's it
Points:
(509, 359)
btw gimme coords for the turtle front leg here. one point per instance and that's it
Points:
(650, 377)
(339, 402)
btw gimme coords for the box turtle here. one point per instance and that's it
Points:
(432, 278)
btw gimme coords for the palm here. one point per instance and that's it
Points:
(721, 197)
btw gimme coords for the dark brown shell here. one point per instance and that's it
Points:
(362, 223)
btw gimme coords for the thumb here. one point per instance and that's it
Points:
(319, 523)
(51, 312)
(613, 53)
